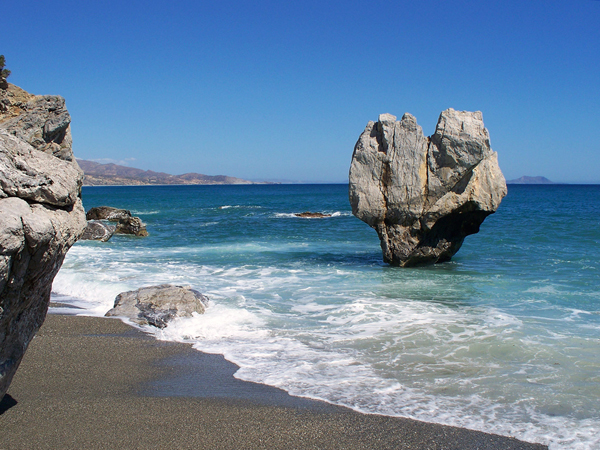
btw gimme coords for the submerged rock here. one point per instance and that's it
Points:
(96, 230)
(131, 225)
(41, 215)
(423, 195)
(312, 215)
(107, 213)
(157, 305)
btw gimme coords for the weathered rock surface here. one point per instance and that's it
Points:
(36, 176)
(157, 305)
(97, 230)
(423, 195)
(40, 120)
(127, 224)
(41, 215)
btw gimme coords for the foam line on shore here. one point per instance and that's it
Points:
(120, 388)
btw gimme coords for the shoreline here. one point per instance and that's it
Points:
(89, 382)
(217, 184)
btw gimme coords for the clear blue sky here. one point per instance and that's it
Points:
(282, 89)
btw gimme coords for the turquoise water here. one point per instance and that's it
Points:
(505, 338)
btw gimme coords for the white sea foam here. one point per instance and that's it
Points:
(144, 213)
(547, 289)
(207, 224)
(240, 206)
(315, 371)
(367, 339)
(328, 214)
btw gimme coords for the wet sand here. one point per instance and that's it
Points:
(94, 383)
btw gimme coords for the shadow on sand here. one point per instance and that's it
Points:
(6, 403)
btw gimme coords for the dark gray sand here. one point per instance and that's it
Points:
(94, 383)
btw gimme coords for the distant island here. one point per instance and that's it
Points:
(97, 174)
(530, 180)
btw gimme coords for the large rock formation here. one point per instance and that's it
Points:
(157, 305)
(423, 195)
(41, 215)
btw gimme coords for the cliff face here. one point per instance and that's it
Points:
(423, 195)
(41, 215)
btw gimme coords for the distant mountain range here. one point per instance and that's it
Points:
(97, 174)
(530, 180)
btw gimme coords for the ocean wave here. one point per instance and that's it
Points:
(144, 213)
(501, 339)
(240, 207)
(440, 350)
(313, 369)
(326, 215)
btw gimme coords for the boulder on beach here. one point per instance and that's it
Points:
(126, 223)
(96, 230)
(157, 305)
(41, 215)
(423, 195)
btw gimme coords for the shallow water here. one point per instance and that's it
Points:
(504, 338)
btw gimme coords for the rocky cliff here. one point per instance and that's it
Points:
(424, 195)
(41, 215)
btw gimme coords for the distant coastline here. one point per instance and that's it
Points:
(96, 174)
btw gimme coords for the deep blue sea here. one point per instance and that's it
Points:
(505, 338)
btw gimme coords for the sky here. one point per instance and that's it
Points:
(281, 90)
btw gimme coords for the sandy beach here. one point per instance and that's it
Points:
(93, 383)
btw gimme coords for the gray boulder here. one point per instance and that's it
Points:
(157, 305)
(41, 215)
(423, 195)
(96, 230)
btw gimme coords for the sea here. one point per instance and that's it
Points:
(505, 338)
